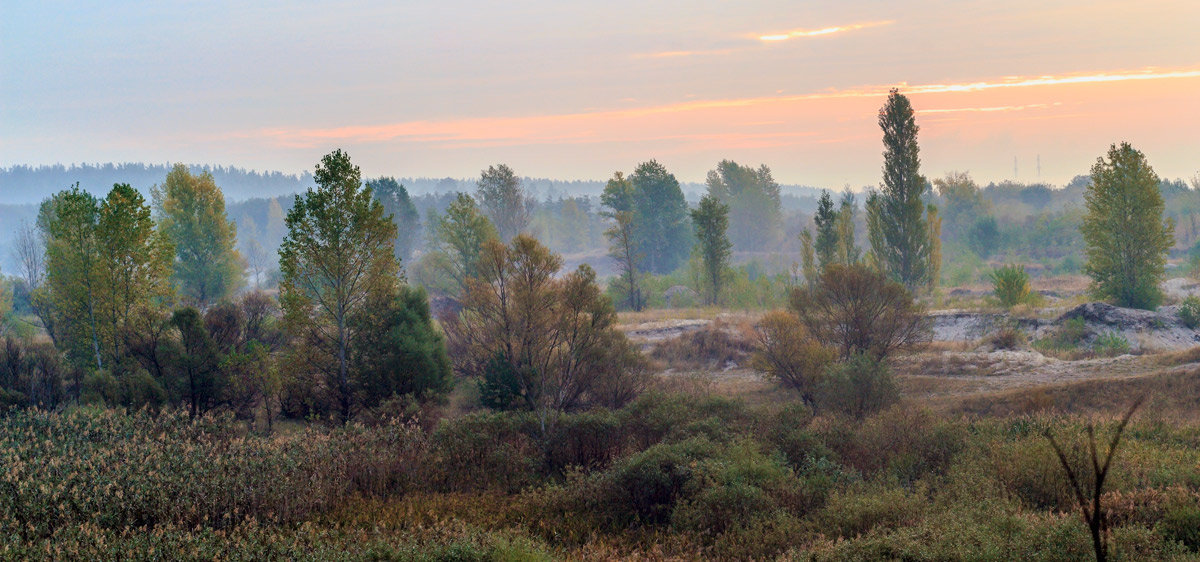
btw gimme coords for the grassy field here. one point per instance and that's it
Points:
(711, 462)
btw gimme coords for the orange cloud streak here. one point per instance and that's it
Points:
(801, 33)
(615, 125)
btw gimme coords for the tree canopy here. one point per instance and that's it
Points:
(1126, 234)
(191, 214)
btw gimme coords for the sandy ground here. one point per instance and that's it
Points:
(959, 364)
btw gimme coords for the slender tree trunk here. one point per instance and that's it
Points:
(343, 375)
(92, 321)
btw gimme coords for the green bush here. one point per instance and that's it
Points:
(1010, 284)
(1110, 344)
(1068, 336)
(1189, 312)
(858, 387)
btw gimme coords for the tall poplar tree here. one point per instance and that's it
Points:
(827, 234)
(191, 213)
(1126, 234)
(898, 230)
(711, 221)
(337, 256)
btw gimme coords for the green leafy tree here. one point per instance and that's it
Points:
(1127, 237)
(336, 258)
(72, 287)
(964, 202)
(754, 203)
(107, 269)
(400, 352)
(134, 269)
(660, 217)
(502, 198)
(896, 219)
(458, 239)
(196, 362)
(398, 204)
(711, 221)
(847, 251)
(827, 235)
(622, 240)
(191, 213)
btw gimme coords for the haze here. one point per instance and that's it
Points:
(575, 91)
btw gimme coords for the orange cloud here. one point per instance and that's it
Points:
(753, 121)
(675, 54)
(992, 108)
(801, 33)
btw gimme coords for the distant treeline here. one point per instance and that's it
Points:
(30, 184)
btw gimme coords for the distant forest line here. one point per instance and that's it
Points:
(1035, 223)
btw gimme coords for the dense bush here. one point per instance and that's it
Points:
(1010, 284)
(1189, 311)
(858, 387)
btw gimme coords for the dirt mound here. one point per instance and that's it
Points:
(1158, 330)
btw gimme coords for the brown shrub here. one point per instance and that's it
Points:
(789, 354)
(714, 346)
(860, 310)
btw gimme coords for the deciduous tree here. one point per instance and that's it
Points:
(711, 220)
(336, 256)
(899, 233)
(502, 198)
(191, 214)
(754, 203)
(1126, 234)
(398, 204)
(858, 310)
(660, 217)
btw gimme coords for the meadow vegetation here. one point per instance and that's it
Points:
(470, 397)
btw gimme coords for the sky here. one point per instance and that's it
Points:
(578, 90)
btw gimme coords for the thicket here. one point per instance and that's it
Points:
(681, 475)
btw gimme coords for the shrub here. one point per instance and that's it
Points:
(859, 310)
(692, 485)
(711, 347)
(1066, 337)
(789, 354)
(1007, 336)
(1110, 344)
(1181, 523)
(485, 451)
(1010, 284)
(1189, 311)
(858, 387)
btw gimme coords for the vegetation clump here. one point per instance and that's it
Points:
(1010, 284)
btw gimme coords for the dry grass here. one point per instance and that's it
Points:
(1173, 393)
(719, 345)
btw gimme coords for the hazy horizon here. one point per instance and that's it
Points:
(575, 92)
